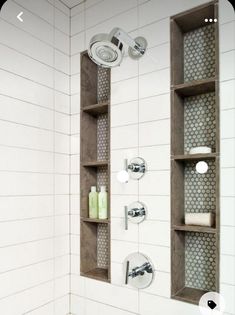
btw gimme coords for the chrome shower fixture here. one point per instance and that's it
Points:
(135, 169)
(107, 50)
(138, 271)
(136, 212)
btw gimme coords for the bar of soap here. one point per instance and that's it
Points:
(200, 150)
(201, 219)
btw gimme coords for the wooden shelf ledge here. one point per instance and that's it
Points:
(189, 295)
(97, 274)
(95, 163)
(194, 228)
(96, 109)
(191, 157)
(195, 87)
(103, 221)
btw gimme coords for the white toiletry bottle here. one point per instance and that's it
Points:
(103, 203)
(93, 203)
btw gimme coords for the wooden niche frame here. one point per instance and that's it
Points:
(94, 167)
(202, 243)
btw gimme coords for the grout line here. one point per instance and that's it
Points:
(76, 5)
(39, 17)
(35, 150)
(32, 58)
(33, 218)
(109, 305)
(140, 123)
(35, 172)
(33, 104)
(34, 241)
(33, 36)
(54, 163)
(58, 8)
(43, 305)
(35, 82)
(32, 287)
(64, 4)
(32, 264)
(35, 127)
(70, 170)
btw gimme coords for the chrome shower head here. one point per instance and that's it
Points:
(107, 50)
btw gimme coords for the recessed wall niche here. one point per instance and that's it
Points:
(94, 167)
(194, 123)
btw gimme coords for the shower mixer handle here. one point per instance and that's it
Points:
(137, 168)
(136, 212)
(138, 271)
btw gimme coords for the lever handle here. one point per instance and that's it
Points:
(126, 217)
(127, 271)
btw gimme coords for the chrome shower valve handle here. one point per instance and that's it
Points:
(136, 213)
(139, 271)
(144, 270)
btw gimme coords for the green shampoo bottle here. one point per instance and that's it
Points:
(93, 203)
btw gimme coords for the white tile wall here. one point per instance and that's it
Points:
(140, 120)
(227, 51)
(39, 157)
(34, 158)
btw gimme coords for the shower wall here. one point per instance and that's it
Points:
(39, 157)
(140, 126)
(34, 158)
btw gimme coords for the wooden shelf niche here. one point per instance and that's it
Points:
(194, 122)
(94, 166)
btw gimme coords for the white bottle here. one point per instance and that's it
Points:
(103, 203)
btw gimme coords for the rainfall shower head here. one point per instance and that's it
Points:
(107, 50)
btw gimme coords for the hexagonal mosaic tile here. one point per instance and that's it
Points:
(102, 246)
(199, 121)
(103, 92)
(102, 176)
(200, 261)
(102, 137)
(199, 53)
(199, 189)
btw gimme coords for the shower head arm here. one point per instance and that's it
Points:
(125, 38)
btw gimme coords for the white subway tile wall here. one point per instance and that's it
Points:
(227, 54)
(34, 158)
(40, 156)
(140, 125)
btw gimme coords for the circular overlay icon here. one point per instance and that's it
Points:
(212, 303)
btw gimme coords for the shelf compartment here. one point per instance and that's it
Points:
(199, 189)
(193, 192)
(99, 221)
(97, 109)
(95, 83)
(95, 250)
(92, 176)
(95, 163)
(97, 274)
(189, 295)
(194, 228)
(195, 87)
(194, 119)
(194, 266)
(195, 157)
(194, 44)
